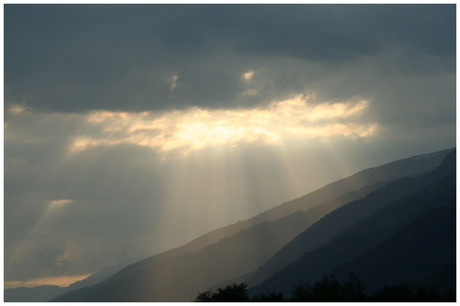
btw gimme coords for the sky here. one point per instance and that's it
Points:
(132, 129)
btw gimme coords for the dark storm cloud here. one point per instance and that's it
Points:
(122, 57)
(339, 32)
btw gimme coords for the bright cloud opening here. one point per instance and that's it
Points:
(17, 109)
(62, 281)
(247, 76)
(174, 82)
(60, 202)
(195, 128)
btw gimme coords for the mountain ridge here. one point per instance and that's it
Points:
(369, 176)
(174, 259)
(349, 244)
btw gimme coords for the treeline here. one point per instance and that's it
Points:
(329, 289)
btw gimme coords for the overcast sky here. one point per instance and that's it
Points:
(130, 129)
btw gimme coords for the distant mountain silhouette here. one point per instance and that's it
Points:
(235, 250)
(47, 293)
(34, 294)
(408, 240)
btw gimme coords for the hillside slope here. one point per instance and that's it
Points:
(413, 256)
(321, 232)
(382, 232)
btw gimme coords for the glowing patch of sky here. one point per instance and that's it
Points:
(60, 202)
(248, 75)
(17, 109)
(174, 82)
(62, 281)
(195, 128)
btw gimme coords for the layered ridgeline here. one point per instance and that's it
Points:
(403, 233)
(232, 252)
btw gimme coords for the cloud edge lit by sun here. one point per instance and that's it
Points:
(194, 128)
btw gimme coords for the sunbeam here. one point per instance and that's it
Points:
(37, 235)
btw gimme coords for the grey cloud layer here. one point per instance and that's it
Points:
(83, 57)
(63, 61)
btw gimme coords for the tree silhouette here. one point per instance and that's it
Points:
(329, 289)
(404, 293)
(231, 293)
(270, 296)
